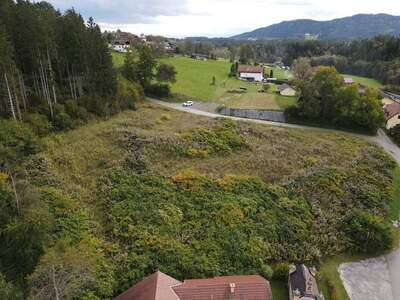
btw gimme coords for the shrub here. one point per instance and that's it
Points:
(62, 120)
(281, 272)
(38, 123)
(368, 233)
(266, 87)
(222, 138)
(76, 111)
(158, 90)
(165, 117)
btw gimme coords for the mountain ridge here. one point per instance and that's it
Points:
(348, 28)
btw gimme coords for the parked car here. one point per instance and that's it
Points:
(188, 103)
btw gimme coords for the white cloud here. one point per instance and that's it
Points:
(216, 18)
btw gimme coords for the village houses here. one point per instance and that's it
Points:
(160, 286)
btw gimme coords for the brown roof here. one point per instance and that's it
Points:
(250, 69)
(391, 110)
(252, 287)
(155, 287)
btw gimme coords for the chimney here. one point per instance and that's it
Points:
(232, 286)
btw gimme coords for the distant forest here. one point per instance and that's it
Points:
(378, 58)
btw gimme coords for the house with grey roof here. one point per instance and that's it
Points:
(303, 283)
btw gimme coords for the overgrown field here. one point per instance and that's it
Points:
(193, 197)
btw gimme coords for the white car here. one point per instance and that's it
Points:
(188, 103)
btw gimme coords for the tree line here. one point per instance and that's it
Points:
(376, 58)
(54, 66)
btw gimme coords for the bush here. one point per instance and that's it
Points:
(223, 138)
(158, 90)
(281, 272)
(38, 123)
(368, 233)
(128, 94)
(75, 111)
(266, 87)
(62, 120)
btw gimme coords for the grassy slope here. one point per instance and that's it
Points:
(194, 78)
(279, 290)
(365, 81)
(80, 157)
(394, 211)
(76, 161)
(118, 59)
(279, 73)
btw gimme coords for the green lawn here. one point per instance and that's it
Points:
(279, 73)
(118, 59)
(194, 76)
(279, 290)
(194, 79)
(365, 81)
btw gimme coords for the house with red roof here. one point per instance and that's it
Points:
(392, 114)
(251, 73)
(160, 286)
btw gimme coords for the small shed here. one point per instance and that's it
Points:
(286, 90)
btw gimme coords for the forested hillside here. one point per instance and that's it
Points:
(55, 68)
(350, 28)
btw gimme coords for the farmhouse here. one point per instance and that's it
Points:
(251, 73)
(303, 283)
(160, 286)
(286, 90)
(392, 114)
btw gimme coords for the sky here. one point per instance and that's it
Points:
(215, 18)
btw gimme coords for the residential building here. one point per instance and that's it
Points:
(286, 90)
(251, 73)
(348, 80)
(392, 114)
(202, 57)
(303, 283)
(160, 286)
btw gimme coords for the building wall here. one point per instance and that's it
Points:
(255, 76)
(387, 101)
(288, 92)
(393, 121)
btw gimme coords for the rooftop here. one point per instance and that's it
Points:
(392, 110)
(251, 69)
(163, 287)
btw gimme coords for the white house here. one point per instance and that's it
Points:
(392, 114)
(348, 80)
(120, 47)
(251, 73)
